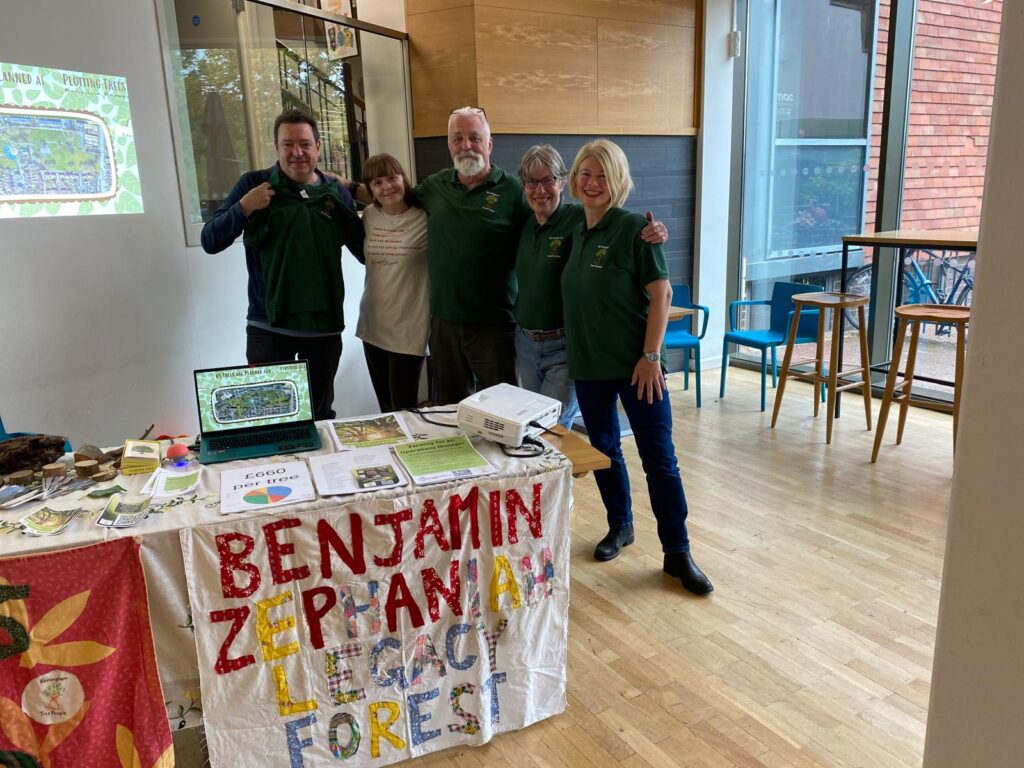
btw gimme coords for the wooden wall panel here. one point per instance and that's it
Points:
(537, 72)
(680, 13)
(645, 78)
(442, 53)
(429, 6)
(571, 67)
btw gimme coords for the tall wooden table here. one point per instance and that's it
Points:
(901, 241)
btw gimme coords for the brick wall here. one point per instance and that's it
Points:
(951, 107)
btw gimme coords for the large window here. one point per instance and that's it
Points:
(809, 66)
(234, 66)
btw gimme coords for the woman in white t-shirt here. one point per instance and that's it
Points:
(394, 316)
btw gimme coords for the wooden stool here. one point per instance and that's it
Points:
(823, 303)
(913, 315)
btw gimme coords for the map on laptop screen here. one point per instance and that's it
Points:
(240, 398)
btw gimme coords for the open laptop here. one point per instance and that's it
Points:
(251, 411)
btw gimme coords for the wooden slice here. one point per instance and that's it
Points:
(87, 468)
(22, 477)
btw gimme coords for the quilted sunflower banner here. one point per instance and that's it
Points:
(78, 675)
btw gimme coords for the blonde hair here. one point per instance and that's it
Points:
(615, 165)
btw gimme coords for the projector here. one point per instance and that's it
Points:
(503, 413)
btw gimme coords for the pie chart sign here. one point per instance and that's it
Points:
(269, 495)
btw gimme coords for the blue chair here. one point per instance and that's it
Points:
(679, 335)
(775, 335)
(5, 435)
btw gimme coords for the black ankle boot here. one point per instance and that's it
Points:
(609, 547)
(681, 565)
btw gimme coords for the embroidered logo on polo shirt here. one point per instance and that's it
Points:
(328, 207)
(490, 200)
(599, 256)
(554, 246)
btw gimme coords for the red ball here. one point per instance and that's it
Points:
(177, 451)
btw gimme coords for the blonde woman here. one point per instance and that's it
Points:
(616, 295)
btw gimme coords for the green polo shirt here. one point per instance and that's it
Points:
(471, 245)
(542, 254)
(604, 297)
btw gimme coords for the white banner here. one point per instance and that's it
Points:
(378, 631)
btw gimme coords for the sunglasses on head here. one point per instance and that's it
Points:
(469, 111)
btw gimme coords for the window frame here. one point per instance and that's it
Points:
(184, 155)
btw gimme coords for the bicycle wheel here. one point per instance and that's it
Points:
(859, 283)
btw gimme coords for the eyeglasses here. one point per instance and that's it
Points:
(469, 111)
(548, 182)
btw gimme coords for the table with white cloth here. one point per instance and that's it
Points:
(172, 522)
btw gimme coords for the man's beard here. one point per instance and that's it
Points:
(470, 164)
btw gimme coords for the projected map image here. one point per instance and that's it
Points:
(50, 155)
(66, 144)
(255, 401)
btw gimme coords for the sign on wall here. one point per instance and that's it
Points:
(382, 630)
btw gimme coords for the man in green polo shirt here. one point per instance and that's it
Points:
(475, 213)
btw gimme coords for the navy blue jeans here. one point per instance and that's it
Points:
(652, 428)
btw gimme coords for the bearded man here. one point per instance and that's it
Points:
(475, 214)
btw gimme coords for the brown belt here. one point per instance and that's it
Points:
(544, 335)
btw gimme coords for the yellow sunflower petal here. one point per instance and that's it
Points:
(166, 760)
(17, 728)
(126, 751)
(60, 617)
(57, 733)
(74, 654)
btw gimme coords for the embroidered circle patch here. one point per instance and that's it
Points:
(53, 698)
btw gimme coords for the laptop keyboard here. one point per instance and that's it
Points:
(261, 438)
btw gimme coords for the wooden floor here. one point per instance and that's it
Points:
(815, 648)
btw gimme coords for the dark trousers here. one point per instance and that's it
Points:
(652, 428)
(466, 357)
(322, 353)
(395, 377)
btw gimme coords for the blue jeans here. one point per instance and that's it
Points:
(543, 368)
(652, 428)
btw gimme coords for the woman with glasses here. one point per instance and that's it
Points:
(616, 296)
(544, 247)
(394, 316)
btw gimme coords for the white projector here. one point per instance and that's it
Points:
(504, 414)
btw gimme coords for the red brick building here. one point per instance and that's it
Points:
(951, 108)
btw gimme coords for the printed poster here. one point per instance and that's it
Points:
(378, 631)
(78, 675)
(265, 486)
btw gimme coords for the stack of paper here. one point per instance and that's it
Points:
(140, 456)
(442, 459)
(356, 471)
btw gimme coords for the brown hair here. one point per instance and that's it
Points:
(383, 165)
(293, 116)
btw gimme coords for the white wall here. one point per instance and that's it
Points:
(714, 162)
(103, 319)
(977, 697)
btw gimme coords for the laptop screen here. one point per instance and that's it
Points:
(257, 396)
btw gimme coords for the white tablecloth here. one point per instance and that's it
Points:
(161, 550)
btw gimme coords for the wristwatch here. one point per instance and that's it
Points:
(652, 357)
